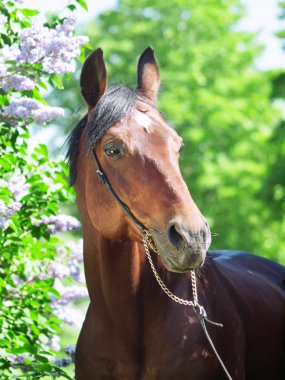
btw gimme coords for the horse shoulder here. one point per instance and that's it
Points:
(257, 290)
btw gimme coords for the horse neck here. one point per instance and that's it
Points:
(119, 278)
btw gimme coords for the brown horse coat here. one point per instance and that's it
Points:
(132, 330)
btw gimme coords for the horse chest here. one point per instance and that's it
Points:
(178, 350)
(169, 346)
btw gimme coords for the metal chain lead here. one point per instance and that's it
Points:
(148, 242)
(200, 311)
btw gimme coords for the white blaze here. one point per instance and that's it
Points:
(144, 121)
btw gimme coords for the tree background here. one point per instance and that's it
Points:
(229, 112)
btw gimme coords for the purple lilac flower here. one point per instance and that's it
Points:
(3, 71)
(71, 317)
(13, 208)
(33, 42)
(16, 280)
(60, 223)
(69, 293)
(51, 65)
(18, 186)
(18, 82)
(70, 351)
(65, 362)
(54, 343)
(22, 107)
(58, 270)
(6, 212)
(4, 223)
(46, 113)
(54, 48)
(18, 359)
(66, 264)
(76, 273)
(3, 207)
(67, 26)
(3, 20)
(76, 249)
(9, 53)
(26, 107)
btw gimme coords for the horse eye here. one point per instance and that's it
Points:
(113, 151)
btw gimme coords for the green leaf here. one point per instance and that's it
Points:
(57, 81)
(83, 4)
(28, 12)
(71, 7)
(13, 225)
(42, 358)
(42, 149)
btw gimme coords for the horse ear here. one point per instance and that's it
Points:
(93, 78)
(148, 74)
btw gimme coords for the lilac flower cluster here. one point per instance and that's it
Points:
(71, 316)
(67, 264)
(55, 49)
(69, 257)
(69, 293)
(59, 223)
(54, 343)
(30, 108)
(17, 186)
(70, 351)
(3, 20)
(7, 211)
(18, 359)
(18, 82)
(7, 54)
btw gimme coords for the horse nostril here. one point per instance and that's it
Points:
(174, 237)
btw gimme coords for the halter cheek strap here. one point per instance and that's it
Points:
(104, 181)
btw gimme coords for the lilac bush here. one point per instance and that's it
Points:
(27, 108)
(39, 275)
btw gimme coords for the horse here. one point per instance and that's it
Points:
(146, 246)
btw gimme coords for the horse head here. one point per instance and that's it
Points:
(139, 153)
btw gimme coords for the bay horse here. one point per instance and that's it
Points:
(124, 163)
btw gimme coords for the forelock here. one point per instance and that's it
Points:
(116, 104)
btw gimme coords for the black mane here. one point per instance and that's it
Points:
(114, 105)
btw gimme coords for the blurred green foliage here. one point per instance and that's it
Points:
(224, 107)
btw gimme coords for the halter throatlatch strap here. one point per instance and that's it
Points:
(148, 243)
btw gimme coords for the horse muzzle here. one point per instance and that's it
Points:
(180, 248)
